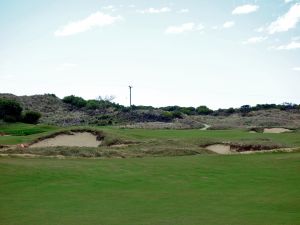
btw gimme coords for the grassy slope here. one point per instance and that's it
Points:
(22, 129)
(163, 138)
(22, 133)
(207, 189)
(200, 137)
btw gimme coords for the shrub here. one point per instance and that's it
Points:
(92, 104)
(167, 115)
(51, 95)
(171, 108)
(188, 110)
(245, 109)
(204, 110)
(75, 101)
(230, 111)
(9, 119)
(177, 114)
(10, 110)
(31, 117)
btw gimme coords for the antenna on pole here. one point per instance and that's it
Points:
(130, 87)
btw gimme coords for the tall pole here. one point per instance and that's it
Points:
(130, 94)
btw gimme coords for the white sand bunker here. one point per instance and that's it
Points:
(276, 130)
(84, 139)
(219, 148)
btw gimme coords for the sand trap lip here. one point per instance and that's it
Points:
(219, 148)
(276, 130)
(74, 139)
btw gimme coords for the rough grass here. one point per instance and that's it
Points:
(208, 189)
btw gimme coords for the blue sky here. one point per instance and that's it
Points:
(189, 53)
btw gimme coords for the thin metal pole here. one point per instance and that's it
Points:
(130, 94)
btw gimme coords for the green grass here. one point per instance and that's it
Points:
(23, 129)
(207, 189)
(24, 133)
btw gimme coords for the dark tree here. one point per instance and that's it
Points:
(10, 110)
(204, 110)
(31, 117)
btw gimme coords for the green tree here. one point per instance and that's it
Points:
(204, 110)
(75, 101)
(10, 110)
(31, 117)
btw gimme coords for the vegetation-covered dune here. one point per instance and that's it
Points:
(74, 110)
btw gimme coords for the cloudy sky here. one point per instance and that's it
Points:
(189, 53)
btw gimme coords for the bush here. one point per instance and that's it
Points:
(9, 119)
(10, 110)
(171, 108)
(230, 111)
(245, 109)
(177, 114)
(188, 110)
(93, 104)
(75, 101)
(31, 117)
(204, 110)
(167, 115)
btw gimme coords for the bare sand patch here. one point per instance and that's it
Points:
(206, 126)
(220, 148)
(78, 139)
(276, 130)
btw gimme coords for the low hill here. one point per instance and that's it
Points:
(100, 112)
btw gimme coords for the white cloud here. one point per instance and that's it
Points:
(97, 19)
(66, 66)
(260, 29)
(186, 27)
(110, 8)
(290, 46)
(200, 27)
(288, 1)
(254, 40)
(154, 11)
(228, 24)
(6, 76)
(296, 69)
(287, 21)
(295, 38)
(245, 9)
(183, 11)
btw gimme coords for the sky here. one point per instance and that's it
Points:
(195, 52)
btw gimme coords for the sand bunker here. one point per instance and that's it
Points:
(276, 130)
(219, 148)
(84, 139)
(238, 148)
